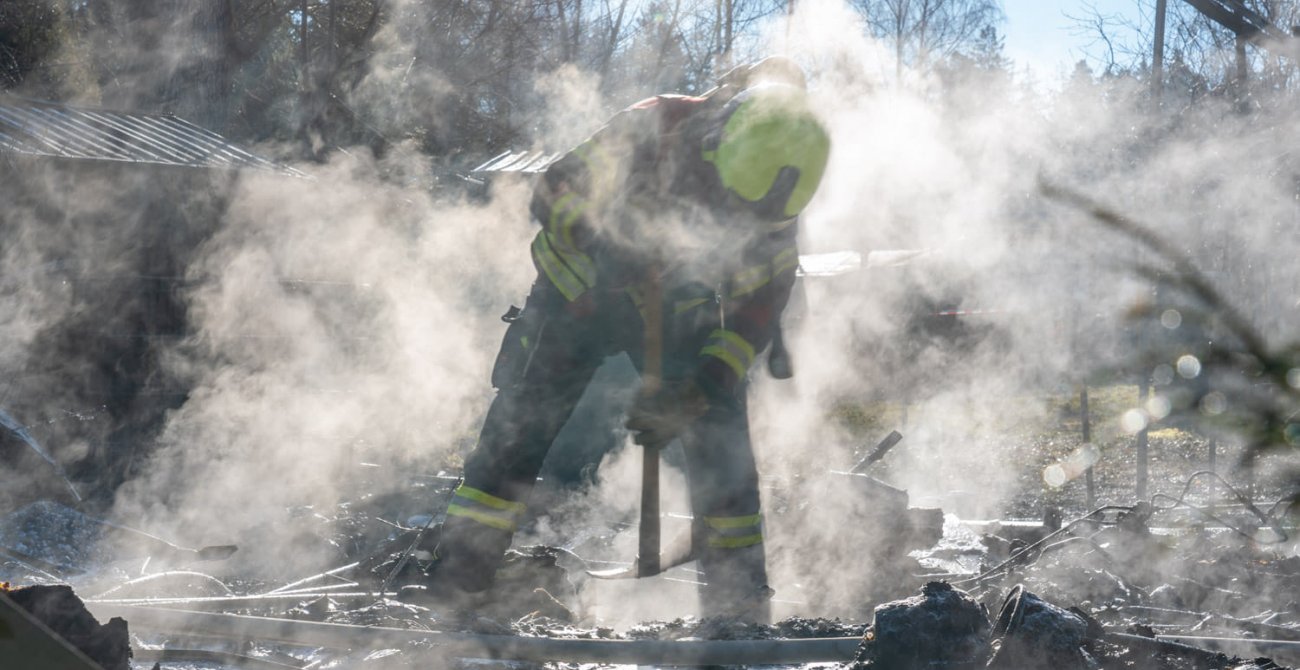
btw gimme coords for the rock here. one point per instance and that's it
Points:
(62, 611)
(942, 627)
(1034, 633)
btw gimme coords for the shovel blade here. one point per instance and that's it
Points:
(678, 553)
(631, 572)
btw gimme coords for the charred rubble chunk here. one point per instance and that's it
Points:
(942, 627)
(1033, 633)
(62, 611)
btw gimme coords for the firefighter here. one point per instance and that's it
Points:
(700, 194)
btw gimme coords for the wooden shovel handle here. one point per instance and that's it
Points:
(651, 380)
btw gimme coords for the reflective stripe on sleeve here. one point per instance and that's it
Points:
(731, 349)
(601, 166)
(571, 272)
(564, 214)
(734, 532)
(682, 306)
(785, 261)
(485, 508)
(750, 279)
(594, 156)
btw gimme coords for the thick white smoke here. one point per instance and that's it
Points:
(352, 316)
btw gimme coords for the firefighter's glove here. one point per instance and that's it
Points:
(657, 418)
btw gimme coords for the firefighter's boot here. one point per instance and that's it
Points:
(735, 585)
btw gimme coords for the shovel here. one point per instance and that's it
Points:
(648, 562)
(133, 542)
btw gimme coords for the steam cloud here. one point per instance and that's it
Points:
(351, 317)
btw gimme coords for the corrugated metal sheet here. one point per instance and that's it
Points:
(528, 162)
(36, 128)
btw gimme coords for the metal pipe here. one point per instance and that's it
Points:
(148, 656)
(1272, 630)
(1162, 645)
(500, 647)
(1158, 52)
(1237, 646)
(291, 586)
(1085, 425)
(362, 597)
(1140, 492)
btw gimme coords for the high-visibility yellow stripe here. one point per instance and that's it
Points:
(595, 161)
(481, 517)
(731, 349)
(687, 305)
(726, 357)
(786, 260)
(485, 498)
(564, 214)
(601, 167)
(750, 280)
(578, 263)
(562, 277)
(571, 218)
(722, 522)
(558, 208)
(734, 339)
(736, 542)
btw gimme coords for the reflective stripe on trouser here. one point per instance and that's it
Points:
(485, 508)
(723, 481)
(524, 419)
(521, 423)
(734, 532)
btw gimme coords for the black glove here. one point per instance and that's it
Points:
(657, 418)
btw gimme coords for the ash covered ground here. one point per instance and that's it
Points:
(1192, 577)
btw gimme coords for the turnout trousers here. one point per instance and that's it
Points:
(547, 358)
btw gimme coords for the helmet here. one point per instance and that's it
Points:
(769, 150)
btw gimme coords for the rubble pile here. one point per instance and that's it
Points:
(1121, 587)
(941, 627)
(944, 627)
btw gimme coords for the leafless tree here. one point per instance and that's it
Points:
(922, 31)
(1200, 54)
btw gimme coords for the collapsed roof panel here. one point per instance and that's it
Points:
(528, 162)
(37, 128)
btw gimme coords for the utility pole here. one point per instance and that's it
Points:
(1143, 456)
(1243, 72)
(1158, 53)
(333, 37)
(302, 41)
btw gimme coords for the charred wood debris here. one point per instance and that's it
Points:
(1123, 586)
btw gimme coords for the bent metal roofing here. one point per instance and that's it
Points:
(37, 128)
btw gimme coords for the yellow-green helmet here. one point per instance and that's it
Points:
(770, 150)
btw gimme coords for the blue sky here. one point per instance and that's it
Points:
(1043, 39)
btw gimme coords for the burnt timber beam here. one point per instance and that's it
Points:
(1243, 21)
